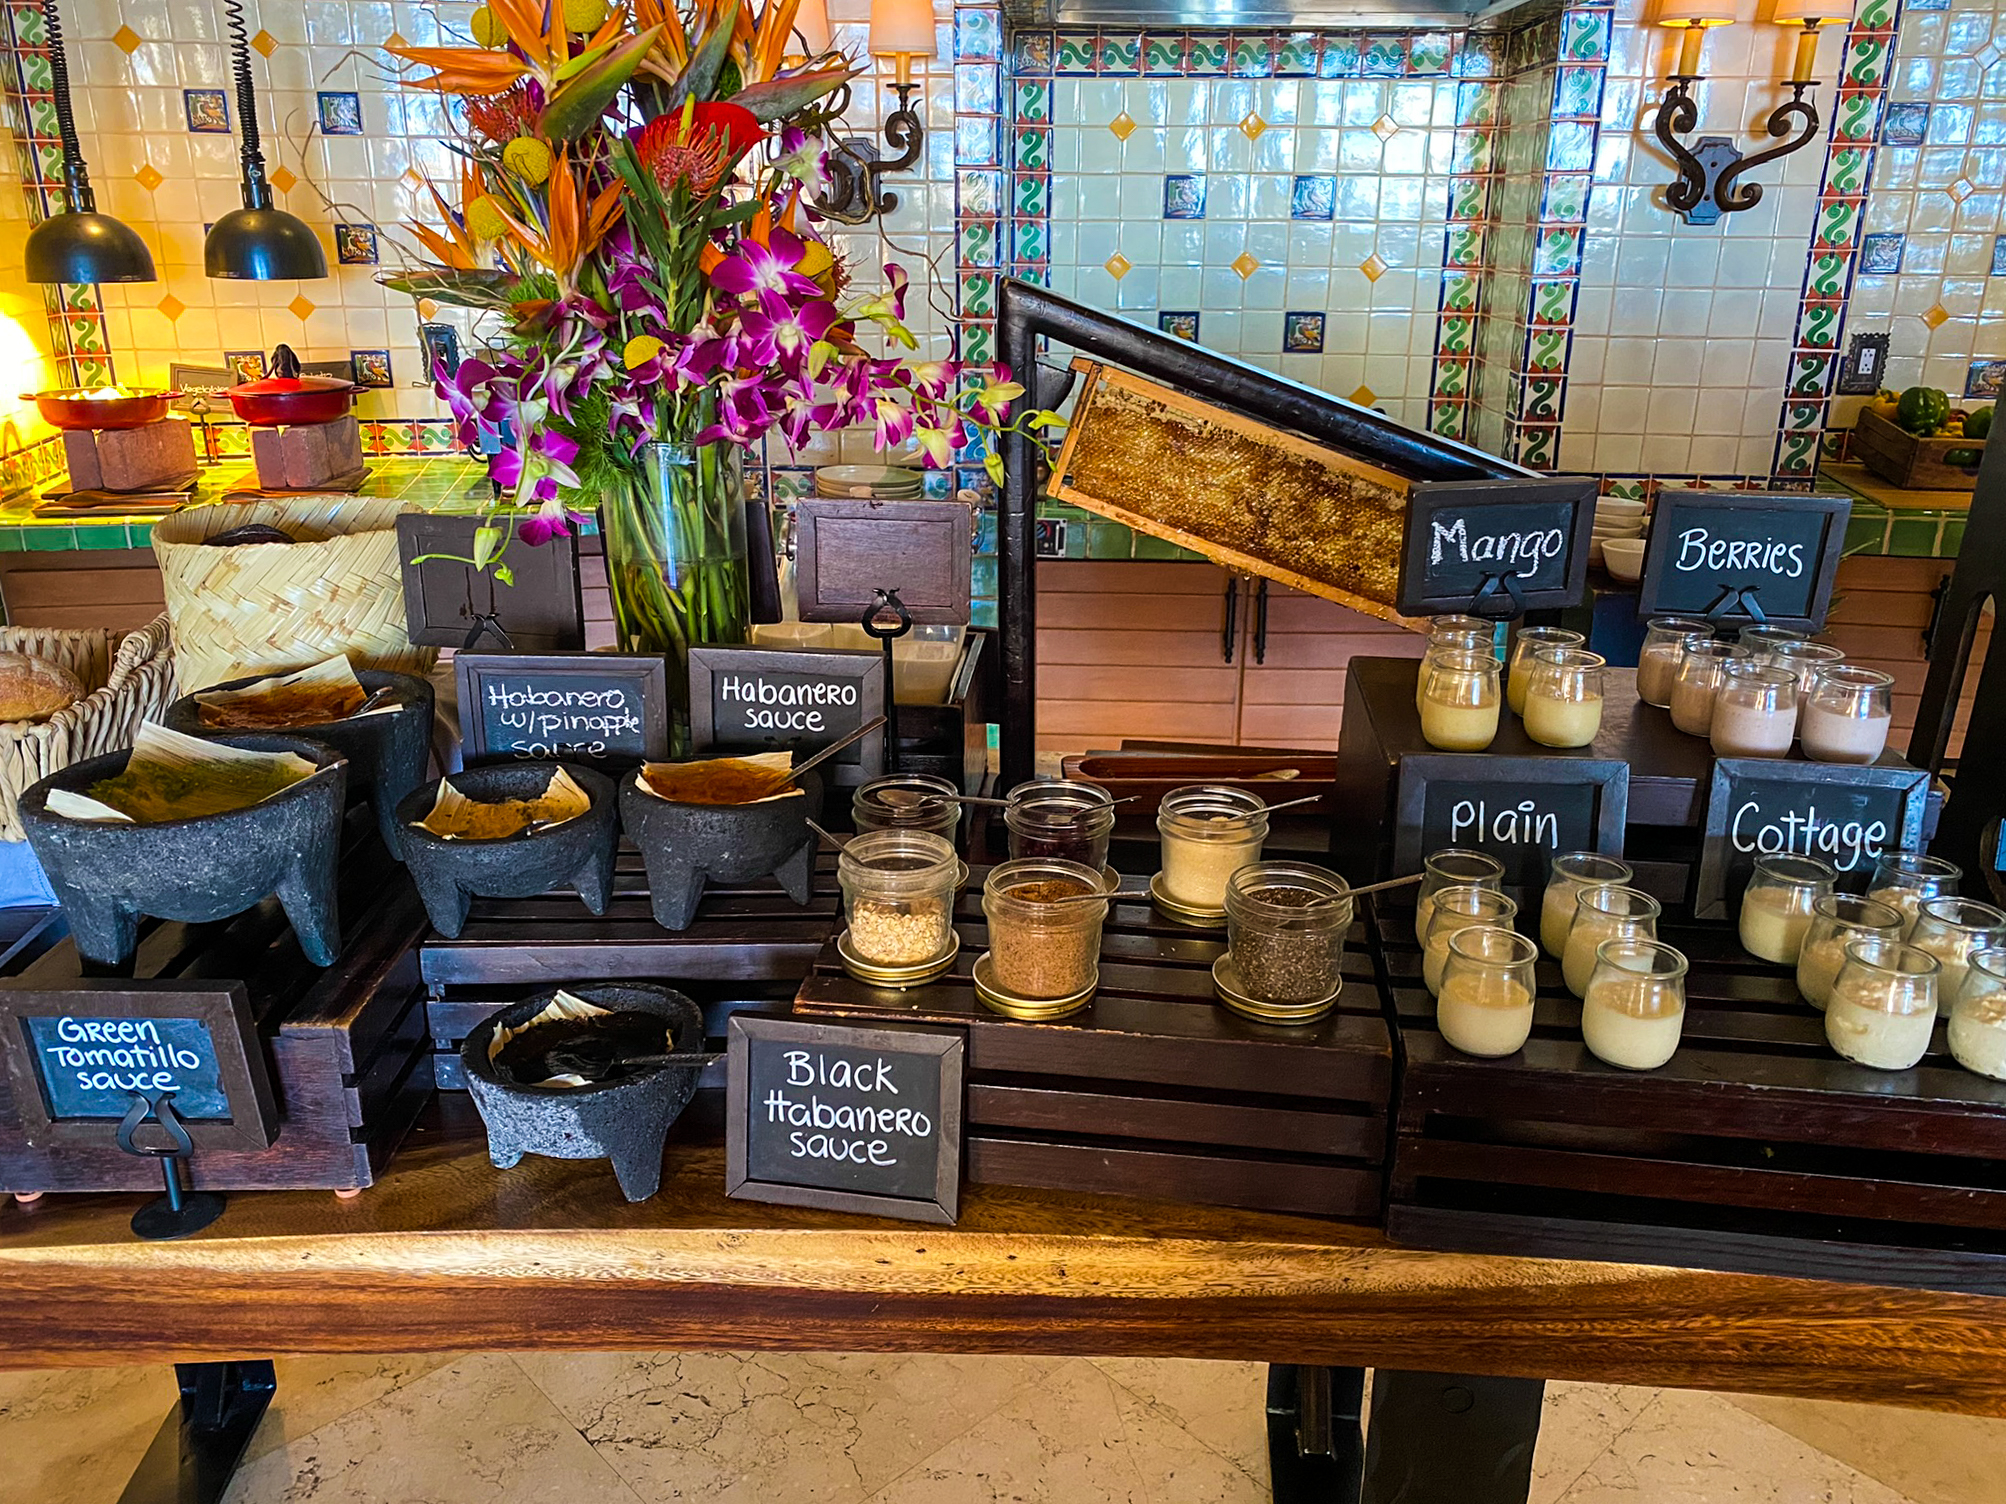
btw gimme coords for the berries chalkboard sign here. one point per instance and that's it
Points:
(1742, 557)
(77, 1056)
(1524, 811)
(1496, 547)
(844, 1117)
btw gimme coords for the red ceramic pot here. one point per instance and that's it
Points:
(74, 407)
(286, 396)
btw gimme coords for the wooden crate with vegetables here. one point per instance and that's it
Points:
(1918, 440)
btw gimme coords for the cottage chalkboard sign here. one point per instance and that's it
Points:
(1524, 811)
(77, 1056)
(1498, 548)
(844, 1117)
(604, 709)
(1742, 557)
(1844, 816)
(798, 700)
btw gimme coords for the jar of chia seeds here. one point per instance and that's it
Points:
(1285, 929)
(908, 801)
(1056, 818)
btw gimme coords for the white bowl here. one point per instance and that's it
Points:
(1611, 506)
(1600, 532)
(1624, 558)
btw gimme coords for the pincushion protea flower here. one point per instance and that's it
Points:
(694, 147)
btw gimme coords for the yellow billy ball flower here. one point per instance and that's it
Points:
(487, 28)
(484, 219)
(584, 15)
(641, 349)
(528, 158)
(815, 259)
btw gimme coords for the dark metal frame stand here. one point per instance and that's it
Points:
(179, 1212)
(888, 600)
(1432, 1438)
(196, 1451)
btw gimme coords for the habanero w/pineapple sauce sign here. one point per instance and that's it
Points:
(1743, 557)
(1496, 548)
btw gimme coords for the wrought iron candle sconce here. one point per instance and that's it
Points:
(856, 165)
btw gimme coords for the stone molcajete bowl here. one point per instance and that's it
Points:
(387, 752)
(685, 845)
(625, 1119)
(450, 874)
(106, 874)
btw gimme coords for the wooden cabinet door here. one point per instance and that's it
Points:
(1292, 674)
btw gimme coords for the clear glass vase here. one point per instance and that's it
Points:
(675, 560)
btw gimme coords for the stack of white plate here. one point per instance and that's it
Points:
(869, 482)
(1617, 543)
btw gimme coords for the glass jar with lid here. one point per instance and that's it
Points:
(1665, 639)
(1882, 1010)
(1978, 1015)
(1530, 642)
(1837, 920)
(1456, 909)
(1566, 877)
(1285, 929)
(1059, 818)
(1762, 640)
(1904, 879)
(1635, 1009)
(1776, 906)
(1460, 701)
(1485, 1002)
(1951, 929)
(1563, 701)
(1452, 867)
(1805, 659)
(907, 801)
(1208, 832)
(898, 900)
(1848, 714)
(1606, 912)
(1701, 667)
(1754, 710)
(1453, 634)
(1044, 933)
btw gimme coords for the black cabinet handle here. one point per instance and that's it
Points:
(1232, 628)
(1261, 621)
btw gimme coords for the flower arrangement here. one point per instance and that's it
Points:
(634, 209)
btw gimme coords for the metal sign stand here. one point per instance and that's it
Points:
(179, 1212)
(888, 600)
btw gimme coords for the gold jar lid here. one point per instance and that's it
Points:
(914, 974)
(1184, 913)
(1233, 994)
(1033, 1009)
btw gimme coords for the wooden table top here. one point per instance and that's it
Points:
(447, 1254)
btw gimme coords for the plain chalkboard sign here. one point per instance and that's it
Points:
(789, 699)
(1708, 547)
(77, 1056)
(1524, 811)
(1840, 814)
(542, 611)
(1462, 539)
(843, 1117)
(604, 709)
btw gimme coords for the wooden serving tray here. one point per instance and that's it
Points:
(1154, 1089)
(1148, 776)
(1755, 1149)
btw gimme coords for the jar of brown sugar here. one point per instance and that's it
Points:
(1044, 936)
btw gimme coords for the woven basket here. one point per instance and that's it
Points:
(128, 681)
(272, 607)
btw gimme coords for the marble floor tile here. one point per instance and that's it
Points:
(1577, 1422)
(1176, 1463)
(474, 1432)
(1224, 1405)
(1689, 1448)
(773, 1428)
(315, 1390)
(1932, 1458)
(73, 1436)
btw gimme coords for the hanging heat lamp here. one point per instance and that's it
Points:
(257, 243)
(81, 245)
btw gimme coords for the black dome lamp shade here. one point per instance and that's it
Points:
(257, 243)
(81, 245)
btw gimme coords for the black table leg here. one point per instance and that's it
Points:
(1450, 1438)
(1315, 1449)
(197, 1449)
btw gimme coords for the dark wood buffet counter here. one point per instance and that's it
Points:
(447, 1253)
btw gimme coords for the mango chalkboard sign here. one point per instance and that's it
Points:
(603, 709)
(789, 699)
(1742, 557)
(76, 1056)
(843, 1117)
(1472, 545)
(1844, 816)
(1524, 811)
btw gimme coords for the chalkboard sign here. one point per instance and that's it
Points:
(597, 708)
(541, 610)
(1843, 815)
(1744, 557)
(789, 699)
(77, 1056)
(847, 1118)
(1464, 539)
(1524, 811)
(847, 551)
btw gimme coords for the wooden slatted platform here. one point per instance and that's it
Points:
(1756, 1148)
(1153, 1089)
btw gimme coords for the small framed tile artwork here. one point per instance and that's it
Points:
(1179, 325)
(372, 367)
(208, 111)
(340, 113)
(1302, 334)
(1905, 124)
(1881, 253)
(1051, 538)
(1184, 195)
(1313, 197)
(249, 365)
(1999, 255)
(1986, 378)
(355, 245)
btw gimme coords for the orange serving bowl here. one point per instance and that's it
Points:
(76, 407)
